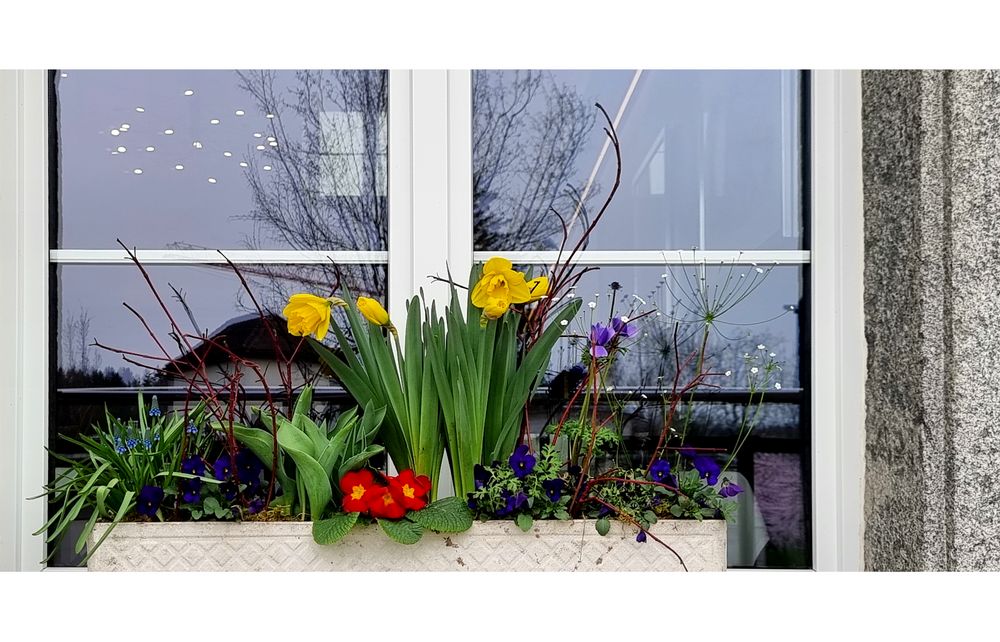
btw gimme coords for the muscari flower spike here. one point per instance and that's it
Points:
(154, 409)
(191, 428)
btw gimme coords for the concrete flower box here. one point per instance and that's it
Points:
(487, 546)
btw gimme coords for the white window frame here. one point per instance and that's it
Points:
(430, 231)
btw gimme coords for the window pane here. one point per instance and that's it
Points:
(710, 159)
(222, 159)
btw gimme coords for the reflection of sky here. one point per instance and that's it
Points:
(102, 198)
(710, 158)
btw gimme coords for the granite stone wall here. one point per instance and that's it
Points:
(932, 319)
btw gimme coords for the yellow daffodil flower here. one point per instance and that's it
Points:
(500, 286)
(538, 287)
(373, 311)
(309, 314)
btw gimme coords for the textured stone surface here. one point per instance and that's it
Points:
(488, 546)
(932, 307)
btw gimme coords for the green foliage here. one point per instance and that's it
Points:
(313, 457)
(482, 383)
(121, 458)
(402, 530)
(606, 441)
(400, 381)
(448, 515)
(328, 531)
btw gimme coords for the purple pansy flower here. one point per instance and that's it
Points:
(229, 491)
(193, 465)
(191, 490)
(512, 502)
(249, 467)
(521, 462)
(660, 471)
(223, 467)
(729, 489)
(600, 338)
(553, 489)
(621, 326)
(149, 500)
(706, 466)
(641, 537)
(480, 476)
(255, 506)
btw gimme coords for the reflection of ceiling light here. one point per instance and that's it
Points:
(114, 153)
(178, 167)
(214, 121)
(124, 127)
(140, 109)
(136, 171)
(243, 164)
(257, 134)
(121, 150)
(260, 148)
(227, 154)
(115, 132)
(189, 92)
(267, 168)
(270, 115)
(197, 145)
(212, 181)
(150, 148)
(273, 144)
(63, 75)
(168, 132)
(270, 139)
(240, 112)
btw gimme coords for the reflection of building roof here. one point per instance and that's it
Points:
(247, 337)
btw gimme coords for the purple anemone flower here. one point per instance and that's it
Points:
(600, 338)
(149, 500)
(553, 489)
(660, 471)
(621, 326)
(729, 489)
(521, 462)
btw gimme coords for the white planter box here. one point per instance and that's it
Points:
(487, 546)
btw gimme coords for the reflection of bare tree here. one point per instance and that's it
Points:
(327, 185)
(527, 132)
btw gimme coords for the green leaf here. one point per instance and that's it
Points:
(211, 504)
(676, 510)
(448, 515)
(524, 522)
(649, 516)
(402, 531)
(560, 513)
(358, 460)
(328, 531)
(603, 526)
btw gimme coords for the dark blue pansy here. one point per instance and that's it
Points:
(641, 537)
(660, 471)
(480, 475)
(553, 489)
(255, 506)
(249, 468)
(707, 468)
(473, 505)
(148, 501)
(229, 491)
(521, 462)
(191, 490)
(223, 467)
(193, 465)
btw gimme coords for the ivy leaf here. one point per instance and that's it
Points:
(524, 522)
(603, 525)
(328, 531)
(402, 531)
(448, 515)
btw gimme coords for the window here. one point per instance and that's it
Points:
(428, 118)
(710, 203)
(285, 171)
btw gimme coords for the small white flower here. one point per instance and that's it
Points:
(664, 275)
(772, 355)
(624, 319)
(743, 276)
(659, 314)
(760, 346)
(729, 373)
(639, 299)
(570, 295)
(609, 388)
(643, 396)
(592, 305)
(754, 370)
(777, 385)
(759, 270)
(564, 323)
